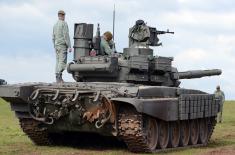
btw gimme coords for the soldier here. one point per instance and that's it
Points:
(106, 44)
(61, 43)
(219, 94)
(139, 34)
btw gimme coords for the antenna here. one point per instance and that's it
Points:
(113, 20)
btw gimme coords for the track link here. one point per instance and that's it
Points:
(37, 135)
(131, 131)
(211, 126)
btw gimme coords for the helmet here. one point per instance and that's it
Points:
(139, 22)
(61, 12)
(108, 35)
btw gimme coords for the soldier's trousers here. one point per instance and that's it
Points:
(61, 59)
(220, 119)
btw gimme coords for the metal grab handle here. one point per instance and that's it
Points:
(56, 95)
(98, 124)
(97, 96)
(35, 94)
(75, 96)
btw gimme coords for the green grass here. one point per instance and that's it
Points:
(14, 141)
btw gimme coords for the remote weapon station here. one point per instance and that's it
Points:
(133, 96)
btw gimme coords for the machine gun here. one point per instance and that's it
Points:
(153, 39)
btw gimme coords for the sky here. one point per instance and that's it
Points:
(204, 35)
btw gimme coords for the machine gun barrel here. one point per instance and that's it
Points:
(164, 32)
(198, 73)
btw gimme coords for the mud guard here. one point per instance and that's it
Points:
(17, 96)
(161, 108)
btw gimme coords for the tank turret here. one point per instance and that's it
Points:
(136, 64)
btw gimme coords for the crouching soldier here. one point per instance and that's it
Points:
(107, 44)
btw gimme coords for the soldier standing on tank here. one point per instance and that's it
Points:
(106, 43)
(62, 44)
(219, 94)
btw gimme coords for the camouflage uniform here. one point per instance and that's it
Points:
(220, 95)
(61, 43)
(139, 35)
(106, 47)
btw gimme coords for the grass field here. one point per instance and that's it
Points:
(14, 141)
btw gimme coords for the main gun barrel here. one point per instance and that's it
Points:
(198, 73)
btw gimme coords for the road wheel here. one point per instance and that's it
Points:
(203, 131)
(163, 137)
(174, 134)
(151, 131)
(184, 133)
(194, 134)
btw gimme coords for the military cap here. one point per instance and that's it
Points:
(108, 35)
(61, 12)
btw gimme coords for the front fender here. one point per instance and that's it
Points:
(161, 108)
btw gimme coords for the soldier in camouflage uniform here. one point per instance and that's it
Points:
(220, 95)
(61, 43)
(139, 35)
(106, 44)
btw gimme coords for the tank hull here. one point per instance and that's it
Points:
(126, 111)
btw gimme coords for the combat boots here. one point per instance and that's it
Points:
(59, 78)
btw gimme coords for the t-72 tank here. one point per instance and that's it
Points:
(133, 96)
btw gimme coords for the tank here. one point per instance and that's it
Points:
(132, 96)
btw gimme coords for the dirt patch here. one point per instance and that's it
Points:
(229, 136)
(221, 151)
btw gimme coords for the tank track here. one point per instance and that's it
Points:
(129, 126)
(211, 127)
(37, 135)
(131, 132)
